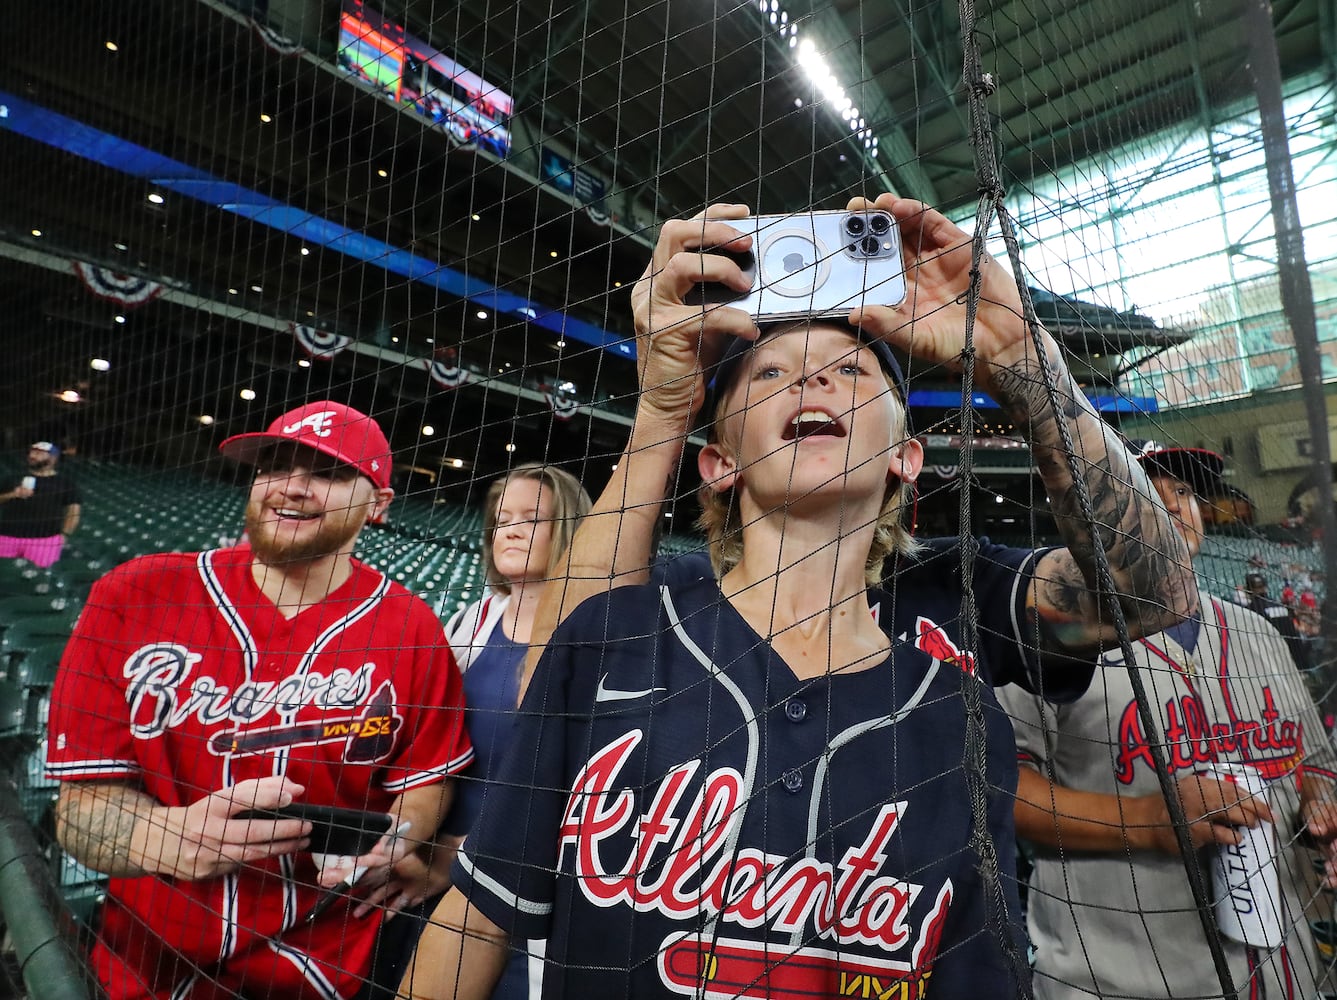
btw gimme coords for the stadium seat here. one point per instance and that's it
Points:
(13, 711)
(27, 606)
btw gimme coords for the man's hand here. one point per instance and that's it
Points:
(373, 873)
(1213, 809)
(930, 324)
(204, 839)
(421, 874)
(677, 343)
(1320, 819)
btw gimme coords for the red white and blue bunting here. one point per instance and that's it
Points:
(599, 215)
(275, 42)
(563, 407)
(128, 290)
(447, 374)
(319, 344)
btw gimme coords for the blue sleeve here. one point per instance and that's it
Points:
(1010, 638)
(679, 570)
(508, 863)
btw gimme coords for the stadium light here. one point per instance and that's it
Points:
(820, 74)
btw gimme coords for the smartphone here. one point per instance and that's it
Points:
(333, 831)
(814, 264)
(30, 482)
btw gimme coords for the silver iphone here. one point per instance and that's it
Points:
(814, 264)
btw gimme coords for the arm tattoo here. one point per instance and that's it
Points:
(1148, 559)
(95, 823)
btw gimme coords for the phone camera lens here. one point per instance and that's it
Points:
(879, 224)
(854, 225)
(870, 245)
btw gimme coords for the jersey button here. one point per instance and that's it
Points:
(796, 710)
(793, 781)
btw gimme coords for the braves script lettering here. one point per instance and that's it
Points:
(162, 694)
(1273, 745)
(683, 863)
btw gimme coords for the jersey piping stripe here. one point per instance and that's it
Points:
(93, 768)
(249, 655)
(491, 885)
(836, 743)
(183, 988)
(330, 633)
(1024, 572)
(288, 871)
(435, 774)
(307, 967)
(214, 586)
(752, 728)
(230, 888)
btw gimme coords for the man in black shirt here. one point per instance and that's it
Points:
(40, 510)
(1255, 584)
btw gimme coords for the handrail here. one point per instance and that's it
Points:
(39, 926)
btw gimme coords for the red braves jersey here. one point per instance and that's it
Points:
(182, 677)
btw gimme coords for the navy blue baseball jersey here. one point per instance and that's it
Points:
(682, 816)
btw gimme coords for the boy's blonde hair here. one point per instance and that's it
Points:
(723, 526)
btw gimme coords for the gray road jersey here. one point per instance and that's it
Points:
(1126, 925)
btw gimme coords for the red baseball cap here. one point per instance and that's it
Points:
(332, 429)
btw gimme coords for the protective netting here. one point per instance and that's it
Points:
(213, 213)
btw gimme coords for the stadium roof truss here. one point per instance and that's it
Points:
(670, 105)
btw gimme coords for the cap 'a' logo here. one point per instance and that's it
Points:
(318, 422)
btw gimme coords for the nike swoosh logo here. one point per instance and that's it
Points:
(605, 693)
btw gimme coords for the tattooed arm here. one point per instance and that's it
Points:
(1151, 574)
(1149, 563)
(118, 829)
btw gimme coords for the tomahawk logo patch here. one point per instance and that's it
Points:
(931, 639)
